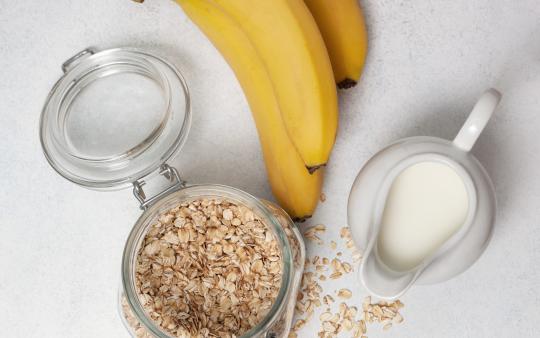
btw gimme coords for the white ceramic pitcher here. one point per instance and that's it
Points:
(369, 194)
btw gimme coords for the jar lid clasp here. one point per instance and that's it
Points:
(169, 173)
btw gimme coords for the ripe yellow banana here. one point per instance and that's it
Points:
(342, 26)
(288, 41)
(296, 190)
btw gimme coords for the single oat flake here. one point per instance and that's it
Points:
(345, 293)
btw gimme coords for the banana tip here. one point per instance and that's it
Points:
(346, 84)
(312, 169)
(300, 219)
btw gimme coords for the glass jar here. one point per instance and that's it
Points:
(112, 121)
(277, 322)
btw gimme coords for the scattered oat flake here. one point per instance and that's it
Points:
(333, 245)
(347, 324)
(366, 302)
(315, 238)
(328, 299)
(323, 197)
(388, 312)
(325, 316)
(345, 232)
(329, 326)
(345, 293)
(347, 267)
(299, 324)
(363, 326)
(357, 331)
(319, 228)
(311, 233)
(398, 318)
(335, 275)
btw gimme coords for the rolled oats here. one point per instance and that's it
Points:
(347, 318)
(207, 268)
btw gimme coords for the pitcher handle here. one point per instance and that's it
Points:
(477, 120)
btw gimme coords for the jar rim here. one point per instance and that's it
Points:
(189, 193)
(146, 151)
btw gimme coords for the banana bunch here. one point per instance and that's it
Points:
(280, 59)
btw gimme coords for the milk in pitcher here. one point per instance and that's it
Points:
(427, 203)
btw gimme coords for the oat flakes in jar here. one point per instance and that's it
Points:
(201, 260)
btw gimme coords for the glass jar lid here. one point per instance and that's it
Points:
(114, 117)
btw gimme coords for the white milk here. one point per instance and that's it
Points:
(427, 203)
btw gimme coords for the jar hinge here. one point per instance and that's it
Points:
(169, 173)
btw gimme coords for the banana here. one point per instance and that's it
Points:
(295, 189)
(343, 29)
(288, 41)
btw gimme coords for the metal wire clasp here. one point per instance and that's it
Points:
(169, 173)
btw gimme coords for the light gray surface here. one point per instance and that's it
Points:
(60, 245)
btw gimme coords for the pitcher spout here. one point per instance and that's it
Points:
(383, 282)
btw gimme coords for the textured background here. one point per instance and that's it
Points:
(60, 245)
